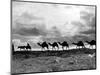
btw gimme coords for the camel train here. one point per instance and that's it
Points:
(64, 44)
(55, 45)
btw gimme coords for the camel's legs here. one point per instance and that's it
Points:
(84, 47)
(44, 49)
(62, 48)
(90, 46)
(58, 48)
(54, 48)
(41, 49)
(47, 49)
(66, 48)
(76, 47)
(79, 47)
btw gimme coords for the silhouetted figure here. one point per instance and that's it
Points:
(79, 44)
(28, 47)
(54, 45)
(13, 48)
(64, 44)
(91, 43)
(43, 45)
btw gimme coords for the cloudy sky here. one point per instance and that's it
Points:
(35, 22)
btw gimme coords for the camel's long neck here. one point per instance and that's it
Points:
(75, 43)
(50, 44)
(28, 45)
(60, 43)
(88, 42)
(39, 44)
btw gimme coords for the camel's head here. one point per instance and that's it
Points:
(48, 42)
(58, 42)
(86, 41)
(79, 41)
(28, 44)
(38, 43)
(73, 42)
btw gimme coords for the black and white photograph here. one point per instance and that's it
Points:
(52, 37)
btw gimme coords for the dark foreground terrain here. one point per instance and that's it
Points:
(53, 61)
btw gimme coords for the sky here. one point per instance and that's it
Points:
(37, 22)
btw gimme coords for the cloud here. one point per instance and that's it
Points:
(81, 37)
(30, 32)
(29, 16)
(79, 25)
(85, 31)
(53, 32)
(88, 32)
(90, 23)
(93, 22)
(27, 19)
(86, 15)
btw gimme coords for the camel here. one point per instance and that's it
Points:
(54, 45)
(21, 47)
(43, 45)
(64, 44)
(91, 43)
(79, 44)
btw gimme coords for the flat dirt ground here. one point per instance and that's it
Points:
(80, 61)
